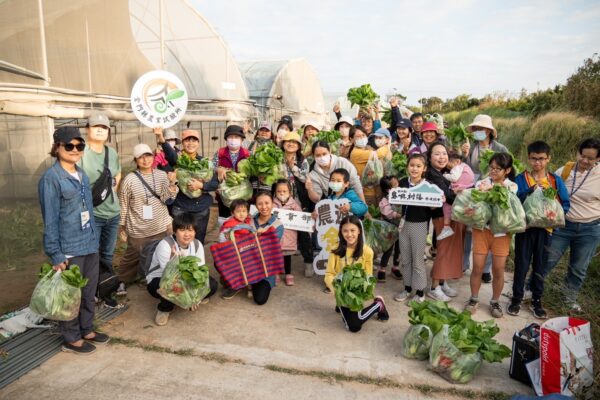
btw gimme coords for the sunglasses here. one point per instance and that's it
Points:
(71, 146)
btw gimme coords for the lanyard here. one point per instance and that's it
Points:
(145, 189)
(82, 190)
(573, 188)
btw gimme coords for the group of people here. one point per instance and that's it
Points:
(86, 206)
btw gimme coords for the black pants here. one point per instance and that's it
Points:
(165, 305)
(200, 221)
(224, 211)
(395, 249)
(83, 324)
(306, 247)
(287, 264)
(534, 244)
(261, 291)
(354, 320)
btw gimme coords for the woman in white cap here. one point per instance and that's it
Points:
(346, 128)
(311, 128)
(144, 215)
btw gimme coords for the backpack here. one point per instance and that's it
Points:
(103, 185)
(108, 282)
(144, 266)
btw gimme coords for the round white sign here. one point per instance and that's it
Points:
(159, 99)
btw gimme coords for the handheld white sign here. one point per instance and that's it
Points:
(295, 220)
(424, 194)
(328, 221)
(159, 99)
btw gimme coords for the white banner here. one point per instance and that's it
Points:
(159, 99)
(424, 194)
(328, 221)
(295, 220)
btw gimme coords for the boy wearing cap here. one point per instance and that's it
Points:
(104, 183)
(70, 233)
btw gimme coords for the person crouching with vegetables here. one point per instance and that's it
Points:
(70, 233)
(182, 243)
(501, 173)
(339, 182)
(352, 250)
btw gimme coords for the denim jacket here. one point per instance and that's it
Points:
(62, 199)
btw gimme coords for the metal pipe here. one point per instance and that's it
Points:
(162, 38)
(43, 44)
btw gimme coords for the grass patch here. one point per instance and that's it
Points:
(22, 232)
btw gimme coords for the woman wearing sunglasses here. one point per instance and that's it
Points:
(70, 232)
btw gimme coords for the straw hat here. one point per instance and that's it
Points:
(292, 136)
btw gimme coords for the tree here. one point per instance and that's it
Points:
(582, 91)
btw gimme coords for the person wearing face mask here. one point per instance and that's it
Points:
(101, 164)
(263, 136)
(169, 138)
(361, 153)
(317, 182)
(345, 127)
(286, 125)
(227, 158)
(311, 128)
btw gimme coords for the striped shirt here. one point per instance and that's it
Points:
(133, 196)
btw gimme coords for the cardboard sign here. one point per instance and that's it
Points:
(159, 99)
(328, 221)
(424, 194)
(295, 220)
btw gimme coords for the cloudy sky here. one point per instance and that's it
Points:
(421, 48)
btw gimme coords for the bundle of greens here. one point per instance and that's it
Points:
(469, 211)
(416, 342)
(374, 211)
(333, 138)
(184, 282)
(387, 115)
(498, 196)
(353, 287)
(188, 168)
(543, 210)
(265, 163)
(451, 363)
(434, 314)
(457, 135)
(57, 296)
(484, 162)
(363, 96)
(400, 162)
(379, 235)
(242, 191)
(509, 219)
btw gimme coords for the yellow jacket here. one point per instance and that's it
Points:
(359, 158)
(336, 264)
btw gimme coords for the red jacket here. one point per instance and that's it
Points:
(224, 159)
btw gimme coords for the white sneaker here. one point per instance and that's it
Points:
(419, 299)
(438, 294)
(403, 295)
(445, 233)
(161, 318)
(122, 290)
(448, 291)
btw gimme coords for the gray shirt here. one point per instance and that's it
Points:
(473, 158)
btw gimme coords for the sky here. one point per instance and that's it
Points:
(419, 48)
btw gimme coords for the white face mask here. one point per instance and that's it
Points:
(479, 135)
(336, 186)
(99, 133)
(362, 142)
(234, 143)
(345, 131)
(380, 142)
(323, 161)
(283, 199)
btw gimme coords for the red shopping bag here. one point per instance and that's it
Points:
(248, 258)
(566, 353)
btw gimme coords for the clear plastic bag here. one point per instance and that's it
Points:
(470, 212)
(543, 212)
(373, 171)
(451, 363)
(184, 176)
(242, 191)
(510, 220)
(417, 341)
(379, 235)
(174, 288)
(55, 299)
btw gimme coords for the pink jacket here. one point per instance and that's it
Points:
(289, 241)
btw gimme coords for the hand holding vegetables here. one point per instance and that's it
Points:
(353, 287)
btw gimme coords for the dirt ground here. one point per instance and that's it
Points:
(294, 345)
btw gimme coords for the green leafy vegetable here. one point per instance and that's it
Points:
(265, 163)
(363, 96)
(188, 169)
(353, 287)
(416, 342)
(469, 209)
(374, 211)
(550, 193)
(543, 210)
(387, 115)
(379, 235)
(458, 134)
(484, 162)
(193, 165)
(333, 138)
(57, 296)
(400, 162)
(184, 282)
(511, 219)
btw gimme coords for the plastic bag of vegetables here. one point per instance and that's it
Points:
(353, 287)
(470, 211)
(242, 190)
(184, 282)
(379, 235)
(57, 296)
(373, 171)
(543, 210)
(451, 363)
(188, 169)
(510, 218)
(417, 341)
(266, 163)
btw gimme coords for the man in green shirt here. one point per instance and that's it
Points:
(107, 211)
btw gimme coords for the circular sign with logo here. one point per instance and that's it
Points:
(159, 99)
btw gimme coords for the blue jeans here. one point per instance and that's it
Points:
(583, 239)
(487, 268)
(108, 229)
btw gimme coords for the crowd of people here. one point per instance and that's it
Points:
(86, 206)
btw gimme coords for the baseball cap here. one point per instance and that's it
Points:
(190, 132)
(141, 149)
(265, 125)
(96, 119)
(382, 132)
(65, 134)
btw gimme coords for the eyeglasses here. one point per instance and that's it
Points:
(591, 160)
(496, 169)
(191, 138)
(71, 146)
(538, 159)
